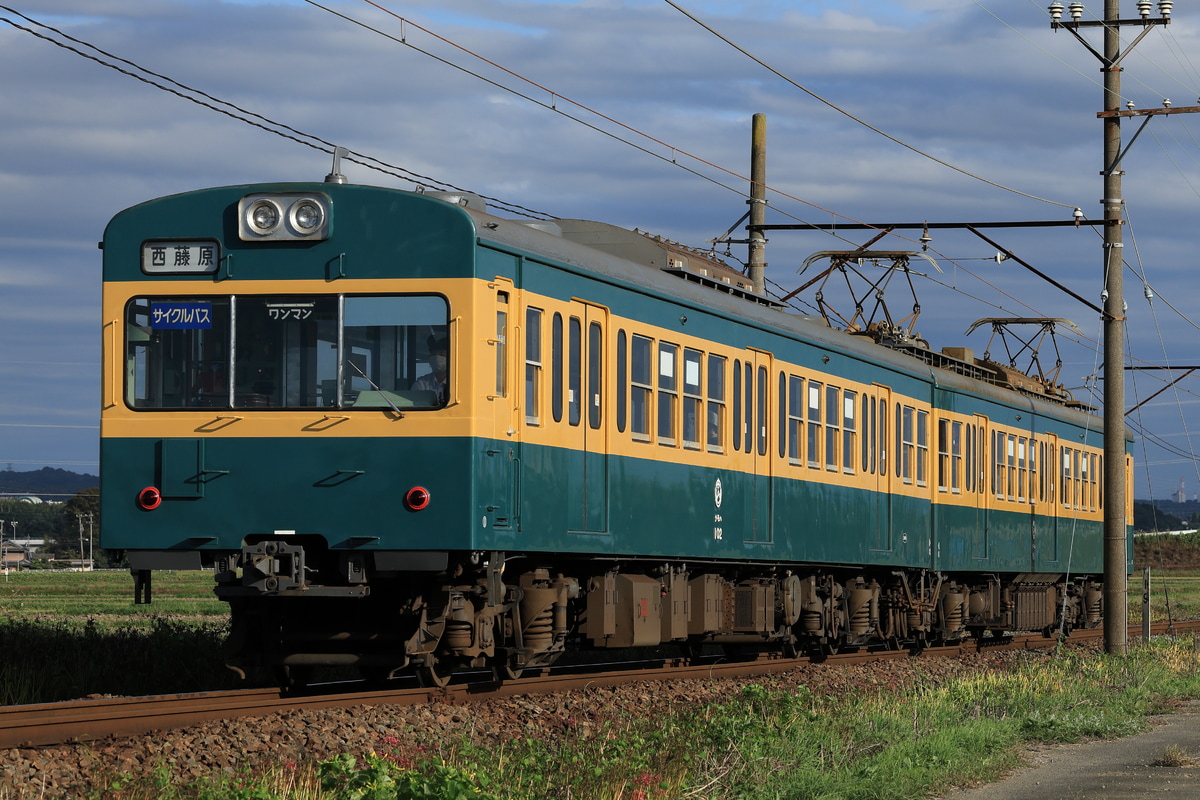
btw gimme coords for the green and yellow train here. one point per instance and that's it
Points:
(409, 434)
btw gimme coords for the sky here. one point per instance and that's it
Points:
(630, 112)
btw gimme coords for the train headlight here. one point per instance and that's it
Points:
(263, 217)
(284, 216)
(306, 216)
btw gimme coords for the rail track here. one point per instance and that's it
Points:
(93, 719)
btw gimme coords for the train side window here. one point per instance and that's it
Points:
(814, 424)
(1099, 472)
(668, 392)
(533, 365)
(749, 407)
(883, 437)
(716, 403)
(1033, 471)
(1012, 467)
(998, 465)
(595, 354)
(501, 344)
(1085, 483)
(737, 405)
(640, 387)
(1065, 483)
(922, 447)
(795, 424)
(782, 410)
(969, 463)
(693, 401)
(908, 443)
(898, 451)
(761, 417)
(622, 378)
(849, 429)
(943, 463)
(556, 367)
(864, 414)
(833, 426)
(574, 371)
(956, 458)
(1022, 467)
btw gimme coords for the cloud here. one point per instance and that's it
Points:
(1004, 99)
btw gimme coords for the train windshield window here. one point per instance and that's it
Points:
(287, 351)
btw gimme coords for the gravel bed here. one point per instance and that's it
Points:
(249, 744)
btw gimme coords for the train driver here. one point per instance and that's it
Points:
(435, 380)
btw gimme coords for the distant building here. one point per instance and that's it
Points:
(14, 556)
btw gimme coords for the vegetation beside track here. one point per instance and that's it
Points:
(901, 741)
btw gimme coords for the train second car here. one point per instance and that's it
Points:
(408, 434)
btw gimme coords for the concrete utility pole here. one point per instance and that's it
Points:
(758, 203)
(1115, 521)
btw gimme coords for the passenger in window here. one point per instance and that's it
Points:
(435, 381)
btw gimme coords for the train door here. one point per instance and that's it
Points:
(587, 456)
(755, 407)
(502, 461)
(880, 463)
(981, 470)
(1045, 516)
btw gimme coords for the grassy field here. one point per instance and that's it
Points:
(107, 595)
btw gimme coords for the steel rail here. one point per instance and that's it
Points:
(76, 721)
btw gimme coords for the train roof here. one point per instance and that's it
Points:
(695, 278)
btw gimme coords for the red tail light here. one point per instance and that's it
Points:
(149, 498)
(416, 498)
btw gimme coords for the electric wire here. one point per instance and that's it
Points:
(851, 116)
(242, 115)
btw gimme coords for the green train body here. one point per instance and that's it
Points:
(630, 446)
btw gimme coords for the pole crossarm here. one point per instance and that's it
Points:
(1149, 112)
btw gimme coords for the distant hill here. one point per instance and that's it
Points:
(46, 483)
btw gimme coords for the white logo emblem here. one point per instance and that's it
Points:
(717, 493)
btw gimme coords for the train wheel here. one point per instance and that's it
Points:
(436, 674)
(507, 672)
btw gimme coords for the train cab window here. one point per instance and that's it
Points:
(640, 387)
(849, 429)
(795, 420)
(533, 365)
(833, 427)
(668, 392)
(922, 447)
(556, 367)
(574, 370)
(716, 404)
(288, 351)
(867, 414)
(595, 356)
(693, 402)
(814, 424)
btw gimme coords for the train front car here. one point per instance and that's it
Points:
(288, 374)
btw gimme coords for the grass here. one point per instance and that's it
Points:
(763, 742)
(72, 634)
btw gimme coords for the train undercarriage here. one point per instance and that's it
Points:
(517, 612)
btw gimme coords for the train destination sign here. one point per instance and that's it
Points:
(181, 256)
